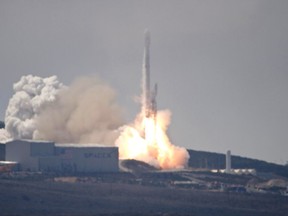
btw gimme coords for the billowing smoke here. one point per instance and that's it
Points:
(86, 112)
(4, 135)
(43, 108)
(32, 94)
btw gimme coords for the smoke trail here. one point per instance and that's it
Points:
(86, 112)
(32, 93)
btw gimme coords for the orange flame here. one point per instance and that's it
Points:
(147, 140)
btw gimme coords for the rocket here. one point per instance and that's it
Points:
(149, 104)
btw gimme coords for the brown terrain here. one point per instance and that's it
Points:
(131, 194)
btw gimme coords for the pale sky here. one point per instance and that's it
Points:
(221, 65)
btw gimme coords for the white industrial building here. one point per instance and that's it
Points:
(48, 156)
(228, 169)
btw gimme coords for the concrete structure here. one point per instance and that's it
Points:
(228, 162)
(229, 170)
(46, 156)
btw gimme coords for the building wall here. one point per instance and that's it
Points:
(42, 148)
(50, 163)
(27, 153)
(35, 156)
(20, 151)
(89, 159)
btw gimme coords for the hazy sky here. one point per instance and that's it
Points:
(221, 65)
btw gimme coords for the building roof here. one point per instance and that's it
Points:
(28, 140)
(82, 145)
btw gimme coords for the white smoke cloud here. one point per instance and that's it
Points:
(32, 93)
(4, 135)
(43, 108)
(86, 112)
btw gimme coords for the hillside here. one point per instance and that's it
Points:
(122, 194)
(210, 160)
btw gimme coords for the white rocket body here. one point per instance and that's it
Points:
(149, 104)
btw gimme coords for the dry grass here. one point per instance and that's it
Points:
(63, 198)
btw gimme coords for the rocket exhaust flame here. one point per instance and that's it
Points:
(146, 139)
(43, 108)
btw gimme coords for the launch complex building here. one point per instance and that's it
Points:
(31, 155)
(49, 156)
(35, 155)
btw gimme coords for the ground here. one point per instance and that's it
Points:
(125, 194)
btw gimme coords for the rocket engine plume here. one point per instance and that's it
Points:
(87, 112)
(146, 139)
